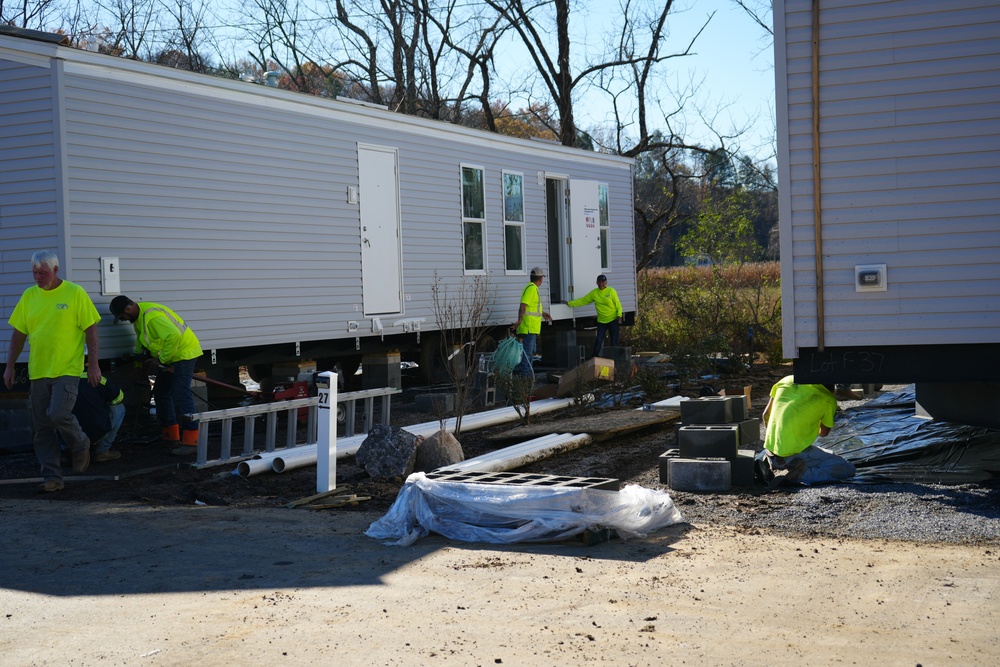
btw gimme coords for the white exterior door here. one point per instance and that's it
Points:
(381, 252)
(585, 248)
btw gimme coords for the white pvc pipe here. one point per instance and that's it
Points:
(252, 467)
(300, 457)
(522, 453)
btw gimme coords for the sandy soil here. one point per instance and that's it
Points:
(176, 566)
(91, 583)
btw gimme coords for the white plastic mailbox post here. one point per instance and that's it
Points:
(326, 440)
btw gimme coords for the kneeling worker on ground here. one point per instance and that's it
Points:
(795, 415)
(100, 410)
(175, 349)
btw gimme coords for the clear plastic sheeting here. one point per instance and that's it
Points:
(887, 442)
(504, 514)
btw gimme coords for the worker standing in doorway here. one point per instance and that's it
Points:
(609, 311)
(175, 349)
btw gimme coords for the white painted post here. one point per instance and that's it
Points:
(326, 440)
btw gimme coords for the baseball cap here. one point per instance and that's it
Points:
(602, 278)
(118, 306)
(538, 271)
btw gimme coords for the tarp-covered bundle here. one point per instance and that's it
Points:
(503, 514)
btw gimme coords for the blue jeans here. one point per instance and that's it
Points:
(529, 341)
(52, 401)
(173, 395)
(611, 326)
(117, 414)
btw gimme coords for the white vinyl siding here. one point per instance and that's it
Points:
(229, 201)
(910, 169)
(29, 182)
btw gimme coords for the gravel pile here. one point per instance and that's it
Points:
(967, 514)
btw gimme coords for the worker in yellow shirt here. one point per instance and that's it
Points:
(175, 349)
(56, 317)
(609, 311)
(795, 415)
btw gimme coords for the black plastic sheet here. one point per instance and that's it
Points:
(887, 442)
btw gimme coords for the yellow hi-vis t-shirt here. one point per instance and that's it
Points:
(605, 301)
(797, 410)
(54, 321)
(531, 323)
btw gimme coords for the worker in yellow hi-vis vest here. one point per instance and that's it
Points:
(529, 321)
(175, 349)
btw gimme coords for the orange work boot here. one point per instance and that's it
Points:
(189, 437)
(171, 433)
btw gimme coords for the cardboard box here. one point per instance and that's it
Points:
(590, 370)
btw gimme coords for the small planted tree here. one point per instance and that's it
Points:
(462, 313)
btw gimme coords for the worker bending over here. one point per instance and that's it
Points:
(175, 349)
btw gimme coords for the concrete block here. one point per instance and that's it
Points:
(381, 370)
(436, 403)
(709, 441)
(567, 350)
(741, 468)
(705, 476)
(707, 410)
(737, 407)
(749, 432)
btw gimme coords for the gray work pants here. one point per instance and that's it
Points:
(52, 401)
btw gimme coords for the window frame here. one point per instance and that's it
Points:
(604, 224)
(466, 220)
(520, 224)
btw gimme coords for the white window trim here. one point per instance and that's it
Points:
(481, 221)
(514, 223)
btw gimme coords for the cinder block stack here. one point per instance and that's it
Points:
(715, 446)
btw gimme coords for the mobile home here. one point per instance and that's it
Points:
(889, 167)
(281, 225)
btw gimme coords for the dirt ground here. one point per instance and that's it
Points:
(186, 565)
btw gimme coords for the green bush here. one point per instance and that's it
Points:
(697, 314)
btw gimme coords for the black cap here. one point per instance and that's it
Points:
(602, 278)
(118, 306)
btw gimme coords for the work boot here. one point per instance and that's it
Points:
(81, 460)
(110, 455)
(51, 485)
(171, 433)
(189, 437)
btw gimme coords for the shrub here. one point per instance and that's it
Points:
(699, 314)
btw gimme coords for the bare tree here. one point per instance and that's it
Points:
(130, 23)
(24, 14)
(185, 34)
(462, 315)
(759, 11)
